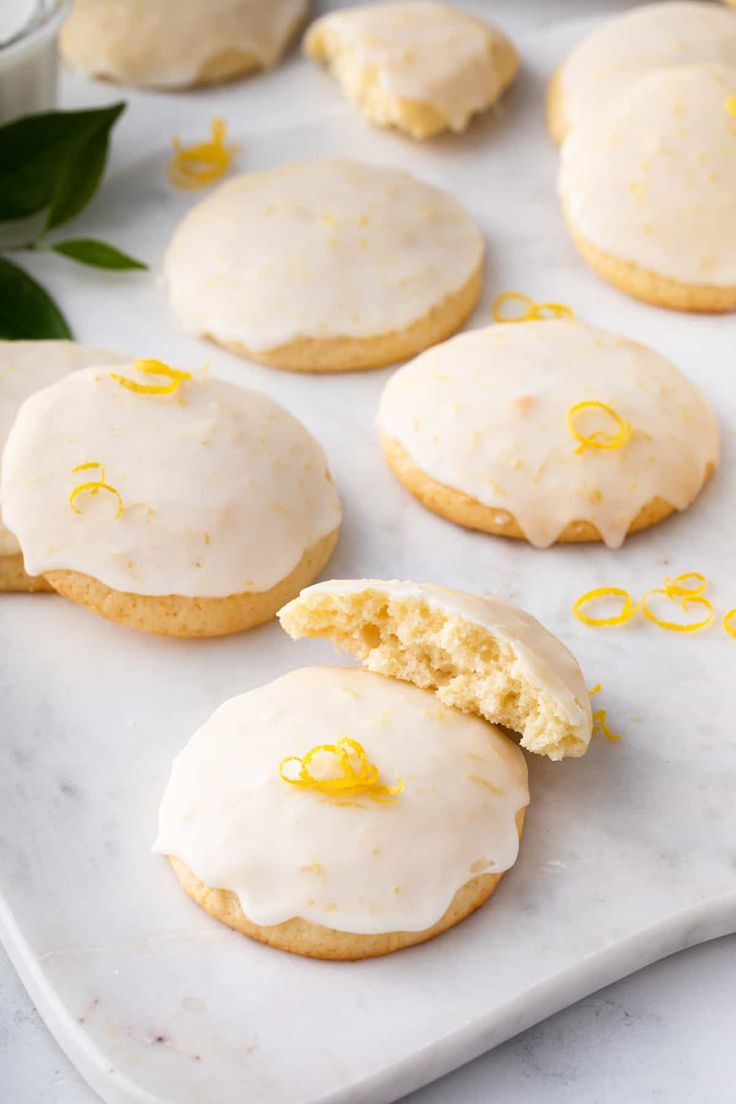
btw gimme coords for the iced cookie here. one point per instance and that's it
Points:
(648, 187)
(325, 266)
(338, 814)
(655, 36)
(419, 67)
(25, 367)
(176, 504)
(178, 43)
(548, 431)
(479, 654)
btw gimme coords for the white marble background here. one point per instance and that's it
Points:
(663, 1035)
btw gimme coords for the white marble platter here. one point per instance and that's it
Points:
(629, 854)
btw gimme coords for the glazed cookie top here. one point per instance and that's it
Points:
(363, 862)
(171, 43)
(656, 36)
(490, 413)
(28, 366)
(427, 52)
(318, 249)
(651, 177)
(204, 489)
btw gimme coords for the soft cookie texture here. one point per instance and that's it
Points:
(479, 430)
(638, 42)
(342, 876)
(479, 654)
(648, 187)
(25, 367)
(178, 43)
(325, 265)
(195, 512)
(419, 67)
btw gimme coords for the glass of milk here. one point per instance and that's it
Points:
(28, 55)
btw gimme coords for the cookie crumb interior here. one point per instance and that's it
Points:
(407, 638)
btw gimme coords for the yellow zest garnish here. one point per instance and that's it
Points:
(532, 312)
(676, 588)
(599, 439)
(93, 486)
(731, 105)
(596, 690)
(627, 612)
(685, 603)
(728, 622)
(364, 780)
(153, 368)
(200, 164)
(600, 724)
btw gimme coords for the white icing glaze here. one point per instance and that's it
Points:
(656, 36)
(429, 53)
(366, 866)
(651, 177)
(545, 660)
(324, 248)
(28, 366)
(486, 414)
(222, 489)
(168, 43)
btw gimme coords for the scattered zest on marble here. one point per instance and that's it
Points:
(93, 486)
(202, 163)
(599, 439)
(350, 781)
(153, 368)
(532, 311)
(600, 724)
(627, 611)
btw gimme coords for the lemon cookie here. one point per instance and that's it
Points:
(176, 504)
(326, 266)
(655, 36)
(648, 187)
(25, 367)
(178, 43)
(419, 67)
(548, 431)
(479, 654)
(338, 814)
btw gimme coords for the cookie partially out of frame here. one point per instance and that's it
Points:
(325, 266)
(178, 43)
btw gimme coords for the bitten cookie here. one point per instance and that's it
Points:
(655, 36)
(178, 43)
(548, 431)
(179, 505)
(648, 187)
(25, 367)
(479, 654)
(341, 815)
(325, 266)
(420, 67)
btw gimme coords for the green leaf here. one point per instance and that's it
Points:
(53, 160)
(26, 310)
(98, 254)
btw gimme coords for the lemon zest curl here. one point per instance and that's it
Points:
(729, 622)
(627, 611)
(599, 439)
(676, 587)
(533, 312)
(364, 780)
(202, 163)
(600, 725)
(684, 603)
(93, 486)
(149, 366)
